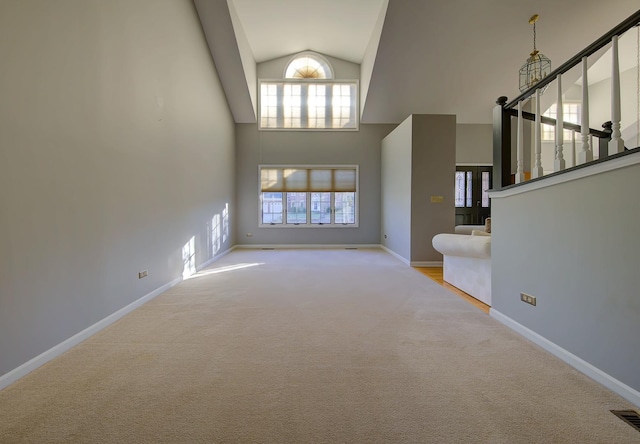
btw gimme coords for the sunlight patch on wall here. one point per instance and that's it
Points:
(215, 234)
(189, 258)
(225, 223)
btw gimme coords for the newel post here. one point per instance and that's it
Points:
(603, 145)
(501, 145)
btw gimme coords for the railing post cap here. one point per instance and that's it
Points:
(502, 101)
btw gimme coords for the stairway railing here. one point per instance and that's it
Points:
(603, 143)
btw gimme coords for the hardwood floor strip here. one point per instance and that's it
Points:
(436, 274)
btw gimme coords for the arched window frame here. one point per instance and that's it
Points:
(322, 61)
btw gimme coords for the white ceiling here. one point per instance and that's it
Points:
(434, 56)
(340, 28)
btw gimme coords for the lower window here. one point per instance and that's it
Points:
(328, 208)
(308, 196)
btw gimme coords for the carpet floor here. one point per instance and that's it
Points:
(301, 346)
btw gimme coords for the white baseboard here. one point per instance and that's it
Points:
(579, 364)
(396, 255)
(303, 246)
(55, 351)
(208, 262)
(426, 263)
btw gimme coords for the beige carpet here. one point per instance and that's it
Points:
(294, 346)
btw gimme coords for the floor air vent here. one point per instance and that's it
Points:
(350, 248)
(631, 417)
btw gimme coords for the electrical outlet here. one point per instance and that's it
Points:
(142, 274)
(524, 297)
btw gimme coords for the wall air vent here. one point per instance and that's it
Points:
(631, 417)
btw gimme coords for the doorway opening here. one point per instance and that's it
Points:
(473, 205)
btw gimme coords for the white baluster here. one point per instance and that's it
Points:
(559, 163)
(520, 148)
(616, 144)
(573, 147)
(537, 171)
(586, 154)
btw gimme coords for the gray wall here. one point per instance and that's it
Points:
(116, 147)
(418, 162)
(474, 144)
(396, 190)
(360, 148)
(575, 247)
(433, 165)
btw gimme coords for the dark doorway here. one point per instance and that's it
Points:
(473, 205)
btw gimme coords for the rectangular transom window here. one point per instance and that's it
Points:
(303, 196)
(308, 105)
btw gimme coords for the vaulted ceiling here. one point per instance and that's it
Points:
(416, 56)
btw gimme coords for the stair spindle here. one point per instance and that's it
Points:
(616, 144)
(520, 148)
(586, 154)
(537, 171)
(573, 148)
(559, 163)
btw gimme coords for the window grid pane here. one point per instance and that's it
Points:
(469, 189)
(316, 103)
(341, 102)
(345, 208)
(485, 188)
(272, 208)
(296, 208)
(320, 208)
(460, 189)
(291, 104)
(269, 105)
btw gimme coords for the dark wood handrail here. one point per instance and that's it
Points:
(629, 23)
(551, 121)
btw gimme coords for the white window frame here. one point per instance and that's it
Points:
(308, 224)
(304, 111)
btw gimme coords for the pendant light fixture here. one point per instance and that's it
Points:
(537, 66)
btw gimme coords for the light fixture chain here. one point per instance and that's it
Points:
(638, 84)
(534, 36)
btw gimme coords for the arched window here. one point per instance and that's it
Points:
(308, 98)
(308, 66)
